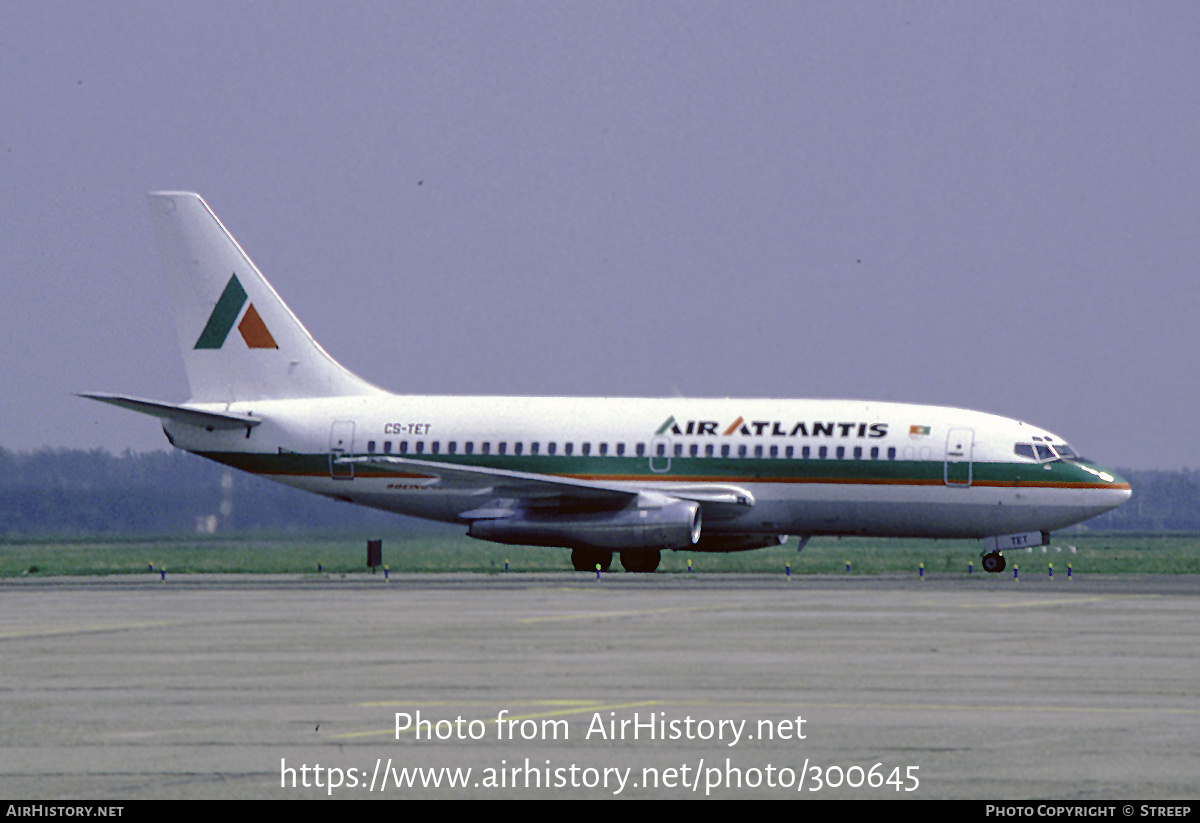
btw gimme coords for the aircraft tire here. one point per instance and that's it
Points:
(586, 560)
(994, 563)
(641, 562)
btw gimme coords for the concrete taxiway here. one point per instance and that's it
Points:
(225, 687)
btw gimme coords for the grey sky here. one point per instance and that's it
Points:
(989, 206)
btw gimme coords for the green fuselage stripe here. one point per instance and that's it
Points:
(696, 470)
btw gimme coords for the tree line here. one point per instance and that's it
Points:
(67, 492)
(50, 492)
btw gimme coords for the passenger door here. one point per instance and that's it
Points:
(960, 444)
(341, 443)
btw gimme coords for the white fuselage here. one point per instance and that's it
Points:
(809, 466)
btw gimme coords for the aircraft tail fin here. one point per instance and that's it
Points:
(239, 340)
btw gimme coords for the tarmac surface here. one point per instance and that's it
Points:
(666, 686)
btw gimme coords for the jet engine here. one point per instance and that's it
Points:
(673, 525)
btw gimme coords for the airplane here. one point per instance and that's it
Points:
(600, 475)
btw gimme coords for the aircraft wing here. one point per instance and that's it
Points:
(547, 489)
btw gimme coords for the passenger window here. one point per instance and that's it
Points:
(823, 452)
(518, 448)
(551, 448)
(858, 452)
(533, 449)
(404, 447)
(387, 446)
(620, 450)
(708, 450)
(789, 452)
(568, 449)
(586, 448)
(371, 445)
(874, 452)
(469, 447)
(603, 449)
(725, 450)
(436, 446)
(806, 452)
(452, 447)
(502, 447)
(774, 451)
(694, 450)
(841, 452)
(679, 450)
(758, 451)
(641, 449)
(891, 452)
(741, 451)
(485, 447)
(420, 447)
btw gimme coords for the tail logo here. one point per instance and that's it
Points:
(225, 314)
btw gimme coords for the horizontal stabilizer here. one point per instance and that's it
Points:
(182, 414)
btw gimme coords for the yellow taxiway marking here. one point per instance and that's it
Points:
(57, 630)
(1065, 601)
(423, 703)
(604, 615)
(581, 709)
(954, 707)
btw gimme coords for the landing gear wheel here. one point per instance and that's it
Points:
(993, 562)
(643, 561)
(586, 560)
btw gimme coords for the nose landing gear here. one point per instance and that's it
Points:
(993, 562)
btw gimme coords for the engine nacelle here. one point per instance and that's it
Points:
(674, 525)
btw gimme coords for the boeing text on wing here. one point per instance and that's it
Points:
(596, 475)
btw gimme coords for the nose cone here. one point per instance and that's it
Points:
(1107, 489)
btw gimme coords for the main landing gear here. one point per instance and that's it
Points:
(643, 561)
(586, 560)
(993, 562)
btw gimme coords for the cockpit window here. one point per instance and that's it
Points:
(1043, 451)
